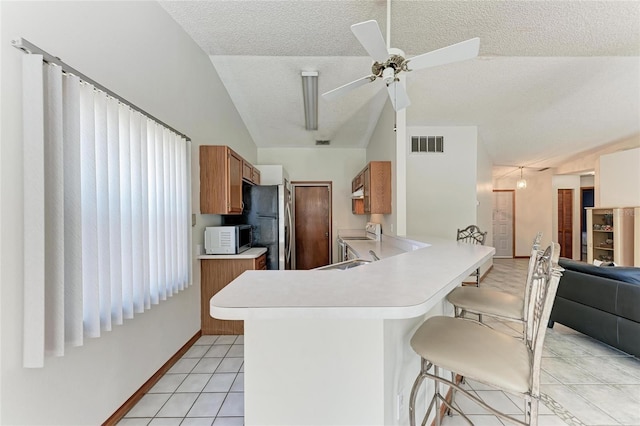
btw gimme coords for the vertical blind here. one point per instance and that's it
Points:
(106, 208)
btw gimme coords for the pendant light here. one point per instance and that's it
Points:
(521, 183)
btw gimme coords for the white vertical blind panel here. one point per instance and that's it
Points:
(125, 210)
(181, 212)
(102, 191)
(90, 285)
(186, 224)
(54, 213)
(173, 223)
(72, 212)
(115, 251)
(152, 213)
(144, 195)
(136, 214)
(33, 204)
(160, 191)
(189, 213)
(166, 233)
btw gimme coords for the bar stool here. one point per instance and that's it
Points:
(475, 351)
(495, 303)
(472, 235)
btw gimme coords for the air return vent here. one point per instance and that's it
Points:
(322, 142)
(427, 143)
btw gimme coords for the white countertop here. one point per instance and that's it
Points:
(405, 285)
(382, 250)
(252, 253)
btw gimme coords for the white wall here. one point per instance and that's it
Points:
(382, 147)
(135, 49)
(338, 165)
(441, 187)
(484, 195)
(533, 210)
(567, 182)
(620, 179)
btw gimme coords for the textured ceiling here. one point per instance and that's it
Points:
(553, 78)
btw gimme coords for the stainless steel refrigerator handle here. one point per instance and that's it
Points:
(288, 209)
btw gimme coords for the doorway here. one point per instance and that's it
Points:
(312, 229)
(504, 222)
(565, 222)
(586, 200)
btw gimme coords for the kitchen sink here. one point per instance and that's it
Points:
(347, 264)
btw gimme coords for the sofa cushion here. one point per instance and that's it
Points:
(619, 273)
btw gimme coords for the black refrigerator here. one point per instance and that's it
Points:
(267, 208)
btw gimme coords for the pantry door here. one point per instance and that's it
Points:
(565, 222)
(312, 217)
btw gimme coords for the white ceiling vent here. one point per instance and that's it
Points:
(427, 143)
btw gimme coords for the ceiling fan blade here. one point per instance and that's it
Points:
(398, 96)
(336, 93)
(456, 52)
(369, 35)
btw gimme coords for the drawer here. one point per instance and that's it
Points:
(261, 262)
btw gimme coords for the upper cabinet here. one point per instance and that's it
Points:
(222, 171)
(374, 183)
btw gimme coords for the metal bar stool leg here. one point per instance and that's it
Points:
(424, 367)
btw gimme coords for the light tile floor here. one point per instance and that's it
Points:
(584, 382)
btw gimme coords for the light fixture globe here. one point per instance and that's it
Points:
(521, 183)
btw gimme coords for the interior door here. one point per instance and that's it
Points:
(565, 222)
(312, 213)
(503, 223)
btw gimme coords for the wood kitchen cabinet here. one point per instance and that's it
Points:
(215, 275)
(222, 171)
(375, 182)
(247, 171)
(255, 176)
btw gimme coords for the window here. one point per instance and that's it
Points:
(107, 211)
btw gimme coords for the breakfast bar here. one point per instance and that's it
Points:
(331, 347)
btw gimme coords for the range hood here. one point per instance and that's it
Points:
(358, 194)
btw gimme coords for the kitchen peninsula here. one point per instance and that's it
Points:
(332, 347)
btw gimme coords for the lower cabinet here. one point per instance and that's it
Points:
(216, 274)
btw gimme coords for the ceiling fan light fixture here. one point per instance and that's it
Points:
(310, 99)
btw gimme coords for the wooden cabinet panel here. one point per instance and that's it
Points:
(220, 180)
(260, 263)
(235, 183)
(255, 176)
(215, 275)
(247, 171)
(375, 182)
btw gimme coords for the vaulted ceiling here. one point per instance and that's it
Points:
(553, 78)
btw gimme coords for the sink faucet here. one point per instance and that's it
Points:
(374, 255)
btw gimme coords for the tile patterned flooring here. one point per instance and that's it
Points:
(584, 382)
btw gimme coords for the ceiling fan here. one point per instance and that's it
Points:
(388, 63)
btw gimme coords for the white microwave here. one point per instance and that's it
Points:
(227, 239)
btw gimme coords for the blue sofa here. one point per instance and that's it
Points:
(600, 301)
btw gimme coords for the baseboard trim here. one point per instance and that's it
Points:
(521, 257)
(137, 396)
